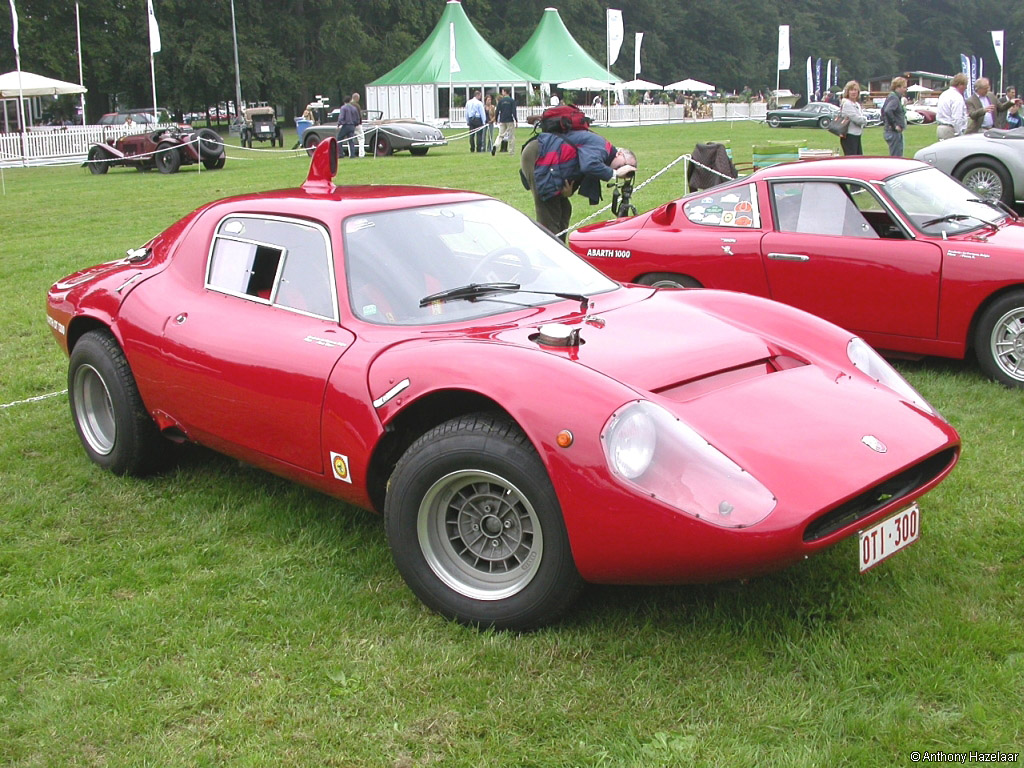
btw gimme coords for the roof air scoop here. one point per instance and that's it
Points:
(323, 168)
(557, 335)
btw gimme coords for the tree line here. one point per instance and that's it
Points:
(291, 50)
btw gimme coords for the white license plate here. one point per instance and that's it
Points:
(888, 537)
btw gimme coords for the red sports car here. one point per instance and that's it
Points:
(524, 423)
(892, 249)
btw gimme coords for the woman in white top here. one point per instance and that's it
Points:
(851, 108)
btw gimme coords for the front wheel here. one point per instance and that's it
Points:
(999, 340)
(774, 121)
(418, 151)
(98, 162)
(382, 145)
(475, 527)
(824, 122)
(110, 418)
(668, 280)
(988, 179)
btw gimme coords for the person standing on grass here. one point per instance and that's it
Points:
(506, 112)
(894, 117)
(951, 111)
(476, 116)
(851, 142)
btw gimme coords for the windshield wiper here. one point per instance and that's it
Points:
(475, 291)
(999, 205)
(959, 217)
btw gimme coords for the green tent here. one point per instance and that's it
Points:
(552, 55)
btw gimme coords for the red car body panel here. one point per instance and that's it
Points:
(768, 386)
(918, 295)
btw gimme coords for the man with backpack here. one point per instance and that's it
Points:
(556, 164)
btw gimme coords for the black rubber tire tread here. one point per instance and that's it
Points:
(983, 335)
(684, 281)
(494, 443)
(98, 164)
(168, 159)
(210, 144)
(214, 165)
(824, 122)
(310, 142)
(382, 145)
(139, 448)
(418, 151)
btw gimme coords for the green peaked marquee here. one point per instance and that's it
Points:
(479, 63)
(552, 55)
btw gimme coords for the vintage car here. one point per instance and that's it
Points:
(261, 125)
(524, 423)
(164, 149)
(382, 137)
(890, 248)
(989, 163)
(815, 113)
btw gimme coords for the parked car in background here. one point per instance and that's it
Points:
(891, 248)
(382, 137)
(261, 125)
(137, 116)
(524, 423)
(815, 113)
(990, 163)
(166, 149)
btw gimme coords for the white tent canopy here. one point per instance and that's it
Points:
(919, 89)
(29, 84)
(639, 85)
(586, 84)
(689, 84)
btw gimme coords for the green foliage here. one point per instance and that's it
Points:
(217, 615)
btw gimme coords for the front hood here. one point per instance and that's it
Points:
(1008, 238)
(656, 343)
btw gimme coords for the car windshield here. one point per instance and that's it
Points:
(396, 258)
(938, 204)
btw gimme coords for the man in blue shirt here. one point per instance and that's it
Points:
(476, 117)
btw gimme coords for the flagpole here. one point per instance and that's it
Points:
(21, 89)
(81, 79)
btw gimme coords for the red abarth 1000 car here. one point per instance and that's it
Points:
(524, 423)
(892, 249)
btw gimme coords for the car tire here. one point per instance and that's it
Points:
(210, 144)
(110, 418)
(668, 280)
(214, 165)
(999, 340)
(382, 145)
(98, 162)
(824, 122)
(310, 141)
(168, 158)
(774, 121)
(468, 506)
(418, 151)
(987, 178)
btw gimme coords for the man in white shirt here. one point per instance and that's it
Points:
(476, 116)
(951, 113)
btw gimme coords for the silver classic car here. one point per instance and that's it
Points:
(382, 137)
(991, 163)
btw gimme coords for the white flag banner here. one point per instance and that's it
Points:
(828, 76)
(783, 47)
(636, 53)
(997, 43)
(14, 23)
(810, 80)
(453, 63)
(615, 33)
(154, 30)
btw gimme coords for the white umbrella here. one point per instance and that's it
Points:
(640, 85)
(915, 88)
(30, 84)
(586, 84)
(689, 84)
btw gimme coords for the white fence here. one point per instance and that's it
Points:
(49, 146)
(646, 114)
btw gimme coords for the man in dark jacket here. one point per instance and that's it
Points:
(894, 117)
(557, 165)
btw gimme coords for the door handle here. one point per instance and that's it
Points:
(788, 257)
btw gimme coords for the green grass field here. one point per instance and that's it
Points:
(217, 615)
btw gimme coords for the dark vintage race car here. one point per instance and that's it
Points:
(164, 149)
(524, 423)
(816, 113)
(382, 137)
(892, 249)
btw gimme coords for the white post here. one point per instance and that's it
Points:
(81, 79)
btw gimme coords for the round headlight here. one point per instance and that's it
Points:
(631, 442)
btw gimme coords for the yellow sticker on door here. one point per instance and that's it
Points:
(339, 464)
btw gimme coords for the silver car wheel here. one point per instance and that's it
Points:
(476, 531)
(984, 182)
(1007, 344)
(94, 410)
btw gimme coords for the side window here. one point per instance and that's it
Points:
(274, 261)
(732, 207)
(824, 208)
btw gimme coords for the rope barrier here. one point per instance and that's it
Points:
(35, 399)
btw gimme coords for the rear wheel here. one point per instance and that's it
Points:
(774, 121)
(987, 179)
(668, 280)
(168, 159)
(309, 141)
(476, 529)
(98, 162)
(214, 165)
(999, 340)
(824, 122)
(110, 418)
